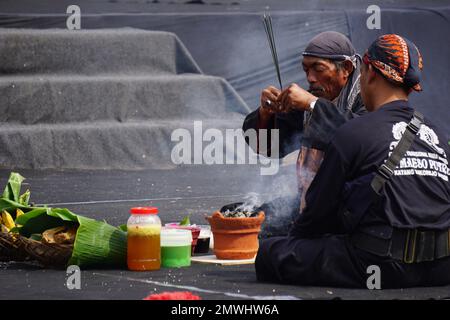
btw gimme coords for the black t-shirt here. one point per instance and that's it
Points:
(417, 196)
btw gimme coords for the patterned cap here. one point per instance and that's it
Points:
(397, 58)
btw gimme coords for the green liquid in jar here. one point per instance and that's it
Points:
(174, 257)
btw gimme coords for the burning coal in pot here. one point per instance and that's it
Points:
(246, 209)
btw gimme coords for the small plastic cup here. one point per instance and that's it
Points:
(193, 228)
(203, 240)
(175, 248)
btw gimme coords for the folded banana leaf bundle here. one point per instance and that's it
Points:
(56, 237)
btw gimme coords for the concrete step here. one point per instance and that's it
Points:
(103, 99)
(58, 99)
(62, 51)
(98, 145)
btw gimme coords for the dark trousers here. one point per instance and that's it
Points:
(280, 215)
(332, 260)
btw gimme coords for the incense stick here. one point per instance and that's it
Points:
(267, 21)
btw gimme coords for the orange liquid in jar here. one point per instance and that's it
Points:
(144, 248)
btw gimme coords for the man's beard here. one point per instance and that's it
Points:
(318, 91)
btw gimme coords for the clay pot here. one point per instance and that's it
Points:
(235, 238)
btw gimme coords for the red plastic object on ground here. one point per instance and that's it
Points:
(176, 295)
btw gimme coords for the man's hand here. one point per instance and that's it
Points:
(269, 106)
(295, 98)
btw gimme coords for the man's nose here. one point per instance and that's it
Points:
(311, 78)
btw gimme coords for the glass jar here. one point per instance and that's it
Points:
(144, 244)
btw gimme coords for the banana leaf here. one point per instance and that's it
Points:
(40, 219)
(186, 221)
(24, 199)
(12, 189)
(11, 198)
(97, 243)
(11, 206)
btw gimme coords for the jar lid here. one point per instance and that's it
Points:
(175, 237)
(144, 210)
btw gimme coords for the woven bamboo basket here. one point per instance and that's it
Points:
(14, 247)
(11, 248)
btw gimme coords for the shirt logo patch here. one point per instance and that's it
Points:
(421, 163)
(426, 134)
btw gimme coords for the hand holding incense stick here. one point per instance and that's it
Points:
(267, 21)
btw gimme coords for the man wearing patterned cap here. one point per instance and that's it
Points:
(307, 119)
(382, 200)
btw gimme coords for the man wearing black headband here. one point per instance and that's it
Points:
(332, 71)
(308, 119)
(381, 201)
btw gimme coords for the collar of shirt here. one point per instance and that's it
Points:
(395, 104)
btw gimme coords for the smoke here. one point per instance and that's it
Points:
(251, 201)
(278, 195)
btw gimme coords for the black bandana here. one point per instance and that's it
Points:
(330, 45)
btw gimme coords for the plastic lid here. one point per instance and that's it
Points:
(175, 237)
(144, 210)
(176, 225)
(205, 232)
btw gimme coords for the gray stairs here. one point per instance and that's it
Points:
(103, 99)
(92, 52)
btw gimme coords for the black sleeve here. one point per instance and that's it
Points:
(251, 121)
(290, 126)
(320, 215)
(326, 119)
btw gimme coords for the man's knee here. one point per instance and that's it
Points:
(265, 262)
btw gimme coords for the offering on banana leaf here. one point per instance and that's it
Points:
(60, 235)
(55, 236)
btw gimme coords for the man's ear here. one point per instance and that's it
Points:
(348, 68)
(371, 74)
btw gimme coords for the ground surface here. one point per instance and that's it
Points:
(195, 190)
